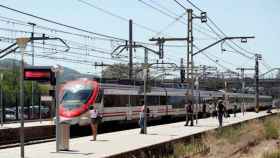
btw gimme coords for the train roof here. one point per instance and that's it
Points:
(120, 89)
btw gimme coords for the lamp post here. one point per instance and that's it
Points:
(57, 69)
(22, 42)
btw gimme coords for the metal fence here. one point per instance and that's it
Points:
(11, 111)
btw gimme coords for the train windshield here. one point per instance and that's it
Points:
(76, 97)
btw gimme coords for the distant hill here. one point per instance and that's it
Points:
(68, 73)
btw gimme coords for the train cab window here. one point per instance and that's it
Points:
(71, 100)
(81, 95)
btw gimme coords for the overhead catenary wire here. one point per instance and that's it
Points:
(222, 32)
(214, 61)
(51, 29)
(116, 16)
(174, 17)
(78, 55)
(58, 23)
(24, 23)
(84, 47)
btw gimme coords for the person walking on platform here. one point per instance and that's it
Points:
(142, 119)
(220, 112)
(95, 119)
(189, 111)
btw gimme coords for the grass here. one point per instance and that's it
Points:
(271, 129)
(188, 150)
(273, 154)
(229, 141)
(230, 134)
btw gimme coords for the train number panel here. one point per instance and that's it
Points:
(76, 97)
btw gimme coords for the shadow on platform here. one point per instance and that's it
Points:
(72, 152)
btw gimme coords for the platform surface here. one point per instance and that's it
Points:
(109, 144)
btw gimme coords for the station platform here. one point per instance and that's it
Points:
(26, 124)
(117, 143)
(34, 131)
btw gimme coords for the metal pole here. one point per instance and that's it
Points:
(1, 101)
(257, 56)
(190, 55)
(21, 42)
(32, 83)
(130, 50)
(21, 101)
(197, 101)
(40, 110)
(243, 91)
(145, 90)
(226, 98)
(57, 112)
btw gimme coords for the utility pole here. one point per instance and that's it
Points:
(257, 58)
(182, 71)
(196, 84)
(130, 49)
(243, 85)
(189, 39)
(190, 54)
(32, 83)
(145, 89)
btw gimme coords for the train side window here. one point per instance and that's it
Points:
(115, 100)
(162, 100)
(176, 101)
(109, 101)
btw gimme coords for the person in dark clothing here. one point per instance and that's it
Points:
(204, 109)
(220, 112)
(148, 115)
(234, 110)
(148, 112)
(189, 111)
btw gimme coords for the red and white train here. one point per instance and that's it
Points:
(122, 102)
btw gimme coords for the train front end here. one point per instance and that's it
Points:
(75, 99)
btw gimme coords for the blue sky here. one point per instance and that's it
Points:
(235, 17)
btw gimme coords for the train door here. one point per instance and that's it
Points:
(99, 102)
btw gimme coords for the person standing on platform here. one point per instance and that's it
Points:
(204, 109)
(215, 108)
(95, 119)
(189, 111)
(211, 109)
(234, 109)
(142, 119)
(220, 112)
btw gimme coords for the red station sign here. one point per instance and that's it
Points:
(39, 73)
